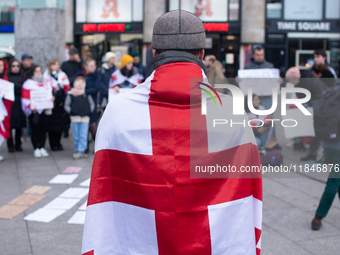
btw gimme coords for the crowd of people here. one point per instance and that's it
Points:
(77, 88)
(320, 80)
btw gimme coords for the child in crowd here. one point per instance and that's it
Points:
(79, 106)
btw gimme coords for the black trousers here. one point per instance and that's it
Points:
(10, 143)
(54, 138)
(39, 123)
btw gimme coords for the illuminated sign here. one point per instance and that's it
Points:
(216, 27)
(304, 26)
(106, 27)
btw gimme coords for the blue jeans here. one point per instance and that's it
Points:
(80, 131)
(267, 102)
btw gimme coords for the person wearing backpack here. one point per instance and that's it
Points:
(327, 127)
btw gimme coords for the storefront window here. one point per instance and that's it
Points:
(303, 9)
(332, 9)
(95, 11)
(7, 8)
(234, 7)
(40, 4)
(216, 10)
(7, 40)
(274, 9)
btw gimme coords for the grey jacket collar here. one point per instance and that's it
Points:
(173, 57)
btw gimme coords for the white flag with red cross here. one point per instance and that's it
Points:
(117, 78)
(142, 199)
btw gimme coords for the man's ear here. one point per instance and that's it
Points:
(155, 52)
(201, 54)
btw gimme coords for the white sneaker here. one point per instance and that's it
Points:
(44, 153)
(37, 153)
(1, 158)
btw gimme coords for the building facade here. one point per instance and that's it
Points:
(289, 30)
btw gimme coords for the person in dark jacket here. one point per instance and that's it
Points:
(106, 71)
(79, 106)
(60, 84)
(258, 61)
(73, 65)
(18, 118)
(26, 64)
(92, 78)
(137, 63)
(319, 59)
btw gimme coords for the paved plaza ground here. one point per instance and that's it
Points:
(289, 206)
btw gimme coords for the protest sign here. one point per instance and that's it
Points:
(305, 124)
(262, 81)
(7, 90)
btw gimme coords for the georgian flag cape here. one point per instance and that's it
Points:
(142, 199)
(118, 78)
(27, 87)
(62, 81)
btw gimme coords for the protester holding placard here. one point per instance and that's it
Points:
(129, 71)
(18, 118)
(60, 84)
(5, 108)
(37, 102)
(258, 62)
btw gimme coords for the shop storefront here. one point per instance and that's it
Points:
(294, 29)
(108, 25)
(221, 21)
(7, 38)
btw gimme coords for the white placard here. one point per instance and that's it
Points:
(113, 93)
(7, 90)
(85, 183)
(261, 80)
(83, 207)
(75, 193)
(63, 179)
(41, 99)
(305, 126)
(62, 203)
(44, 215)
(77, 218)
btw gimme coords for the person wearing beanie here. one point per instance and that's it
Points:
(137, 63)
(142, 199)
(105, 71)
(127, 70)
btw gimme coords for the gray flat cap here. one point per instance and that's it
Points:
(178, 30)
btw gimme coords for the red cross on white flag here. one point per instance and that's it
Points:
(142, 199)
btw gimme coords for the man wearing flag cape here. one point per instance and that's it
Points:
(142, 198)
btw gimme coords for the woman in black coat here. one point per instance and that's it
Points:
(18, 118)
